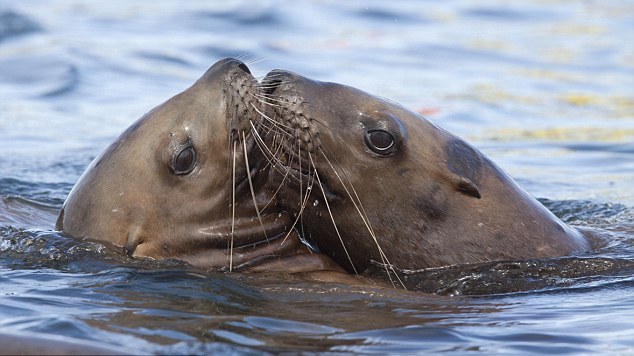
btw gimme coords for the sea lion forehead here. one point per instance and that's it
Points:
(189, 116)
(382, 119)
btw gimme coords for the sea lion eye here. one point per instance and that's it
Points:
(380, 141)
(185, 161)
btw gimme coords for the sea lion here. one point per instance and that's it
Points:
(184, 182)
(372, 181)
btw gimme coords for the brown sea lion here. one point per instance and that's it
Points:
(373, 181)
(185, 181)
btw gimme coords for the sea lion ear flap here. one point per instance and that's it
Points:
(466, 186)
(134, 239)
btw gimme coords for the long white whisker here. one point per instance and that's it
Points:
(299, 160)
(255, 203)
(266, 97)
(265, 149)
(359, 207)
(303, 201)
(270, 97)
(256, 61)
(331, 216)
(277, 124)
(233, 207)
(273, 156)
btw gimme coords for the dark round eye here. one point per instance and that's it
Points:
(380, 141)
(185, 161)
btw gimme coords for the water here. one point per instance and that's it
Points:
(543, 88)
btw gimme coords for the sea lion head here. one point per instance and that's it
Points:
(184, 180)
(374, 181)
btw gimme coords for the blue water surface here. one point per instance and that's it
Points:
(544, 88)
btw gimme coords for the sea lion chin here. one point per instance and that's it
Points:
(376, 182)
(184, 182)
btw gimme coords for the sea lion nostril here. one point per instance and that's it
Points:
(244, 67)
(275, 79)
(269, 85)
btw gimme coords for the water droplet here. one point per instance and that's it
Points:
(316, 202)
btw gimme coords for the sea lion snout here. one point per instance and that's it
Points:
(244, 67)
(279, 80)
(274, 79)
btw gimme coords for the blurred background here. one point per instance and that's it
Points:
(545, 88)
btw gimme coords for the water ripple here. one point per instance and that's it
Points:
(13, 24)
(544, 89)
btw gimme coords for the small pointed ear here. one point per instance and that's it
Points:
(466, 186)
(134, 239)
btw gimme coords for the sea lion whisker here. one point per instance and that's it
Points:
(256, 61)
(274, 127)
(299, 159)
(270, 97)
(267, 152)
(266, 99)
(233, 207)
(363, 215)
(269, 86)
(303, 197)
(275, 166)
(279, 152)
(303, 203)
(356, 202)
(269, 129)
(255, 203)
(330, 213)
(322, 124)
(278, 124)
(276, 191)
(269, 157)
(291, 157)
(267, 102)
(284, 178)
(359, 208)
(265, 149)
(271, 75)
(242, 57)
(262, 94)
